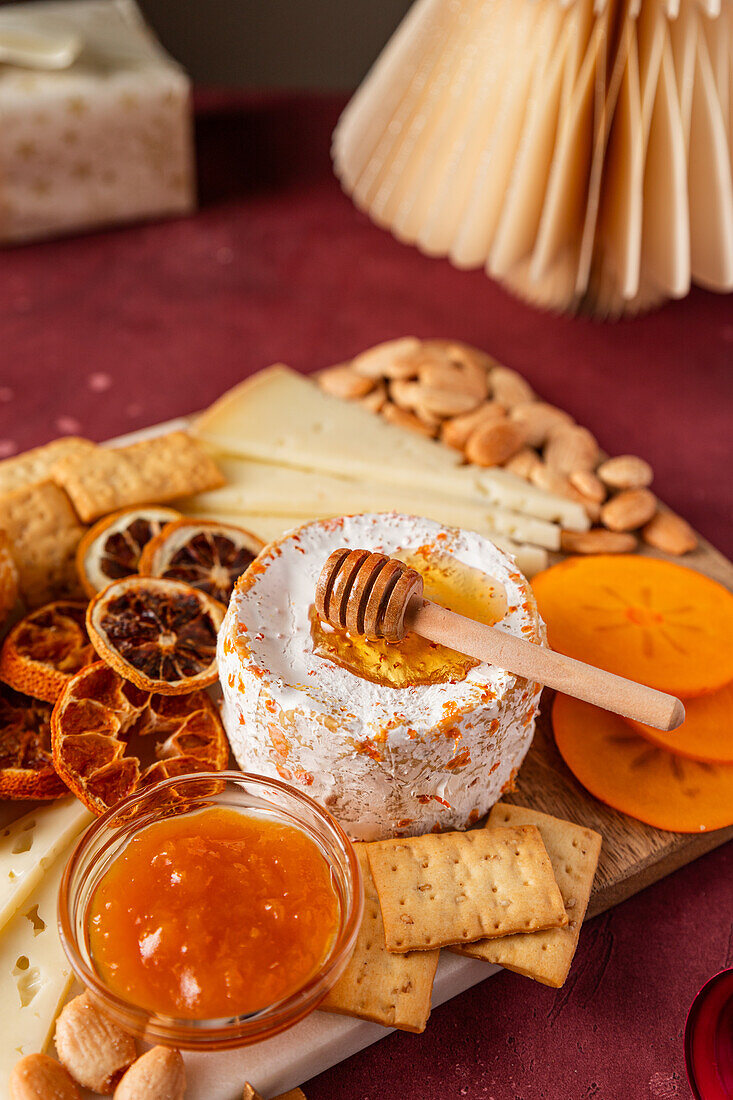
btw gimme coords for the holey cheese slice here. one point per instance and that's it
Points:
(383, 760)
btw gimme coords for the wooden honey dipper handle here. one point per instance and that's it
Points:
(371, 594)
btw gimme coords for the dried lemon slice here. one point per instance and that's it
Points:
(111, 549)
(110, 738)
(158, 634)
(26, 766)
(204, 553)
(45, 649)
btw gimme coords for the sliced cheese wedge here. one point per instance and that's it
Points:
(267, 488)
(278, 416)
(30, 845)
(35, 975)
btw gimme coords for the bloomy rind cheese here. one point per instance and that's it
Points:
(384, 761)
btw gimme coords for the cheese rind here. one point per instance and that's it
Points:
(35, 974)
(31, 844)
(382, 760)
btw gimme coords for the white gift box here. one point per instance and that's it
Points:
(103, 137)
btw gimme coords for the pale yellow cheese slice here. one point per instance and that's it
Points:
(278, 416)
(31, 844)
(35, 975)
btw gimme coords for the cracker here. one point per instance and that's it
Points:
(573, 851)
(33, 466)
(151, 472)
(446, 888)
(393, 990)
(44, 533)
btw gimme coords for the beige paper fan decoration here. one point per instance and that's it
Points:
(581, 152)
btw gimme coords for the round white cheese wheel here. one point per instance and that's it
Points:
(384, 761)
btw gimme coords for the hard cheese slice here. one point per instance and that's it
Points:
(30, 845)
(268, 488)
(278, 416)
(35, 974)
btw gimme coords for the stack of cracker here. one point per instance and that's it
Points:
(513, 893)
(49, 494)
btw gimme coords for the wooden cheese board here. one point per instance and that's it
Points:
(633, 856)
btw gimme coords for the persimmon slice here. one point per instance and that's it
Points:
(644, 781)
(204, 553)
(158, 634)
(650, 620)
(110, 738)
(111, 549)
(26, 765)
(46, 648)
(705, 734)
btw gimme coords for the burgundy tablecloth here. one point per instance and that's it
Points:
(110, 332)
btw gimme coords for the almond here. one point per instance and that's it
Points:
(456, 430)
(597, 541)
(588, 485)
(374, 401)
(523, 463)
(494, 443)
(157, 1075)
(342, 381)
(404, 393)
(250, 1092)
(539, 420)
(628, 510)
(404, 419)
(94, 1049)
(508, 387)
(446, 402)
(571, 448)
(393, 359)
(625, 472)
(463, 379)
(38, 1077)
(669, 533)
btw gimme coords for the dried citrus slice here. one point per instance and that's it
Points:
(8, 578)
(705, 734)
(47, 648)
(205, 553)
(650, 620)
(644, 781)
(26, 766)
(160, 635)
(110, 738)
(111, 549)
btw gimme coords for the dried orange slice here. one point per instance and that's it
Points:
(8, 578)
(110, 738)
(650, 620)
(204, 553)
(160, 635)
(26, 766)
(641, 780)
(705, 734)
(47, 648)
(111, 549)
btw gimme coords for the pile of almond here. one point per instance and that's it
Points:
(450, 391)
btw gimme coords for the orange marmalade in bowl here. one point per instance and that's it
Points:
(213, 914)
(212, 910)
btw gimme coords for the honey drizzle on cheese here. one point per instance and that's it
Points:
(415, 660)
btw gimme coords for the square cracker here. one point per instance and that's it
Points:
(393, 990)
(573, 851)
(44, 533)
(33, 466)
(153, 471)
(446, 888)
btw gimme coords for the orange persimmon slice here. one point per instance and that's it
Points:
(705, 734)
(644, 781)
(650, 620)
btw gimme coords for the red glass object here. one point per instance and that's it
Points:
(709, 1039)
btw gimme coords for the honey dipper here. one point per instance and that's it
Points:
(380, 597)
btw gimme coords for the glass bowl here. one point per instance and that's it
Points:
(108, 836)
(709, 1039)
